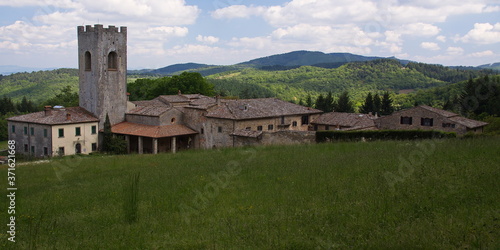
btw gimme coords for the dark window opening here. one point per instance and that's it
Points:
(112, 61)
(202, 131)
(45, 132)
(94, 130)
(61, 132)
(88, 61)
(294, 124)
(61, 151)
(282, 120)
(45, 151)
(25, 130)
(305, 119)
(32, 131)
(406, 120)
(259, 128)
(270, 127)
(327, 127)
(33, 149)
(219, 129)
(25, 147)
(78, 131)
(426, 122)
(248, 128)
(13, 129)
(78, 148)
(94, 147)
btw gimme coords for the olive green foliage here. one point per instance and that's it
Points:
(187, 83)
(66, 97)
(322, 136)
(38, 86)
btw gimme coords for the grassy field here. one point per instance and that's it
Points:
(3, 145)
(427, 194)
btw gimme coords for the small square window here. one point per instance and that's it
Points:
(259, 128)
(94, 130)
(78, 131)
(294, 124)
(406, 120)
(61, 132)
(270, 127)
(219, 129)
(61, 151)
(305, 120)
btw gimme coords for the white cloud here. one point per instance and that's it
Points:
(455, 51)
(237, 11)
(441, 39)
(430, 46)
(482, 54)
(207, 39)
(483, 33)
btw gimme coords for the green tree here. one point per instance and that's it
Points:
(7, 105)
(367, 106)
(107, 135)
(377, 103)
(329, 102)
(344, 103)
(66, 97)
(320, 102)
(386, 107)
(26, 106)
(309, 102)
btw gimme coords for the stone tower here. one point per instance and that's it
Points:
(102, 63)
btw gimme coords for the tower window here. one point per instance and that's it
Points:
(88, 61)
(112, 61)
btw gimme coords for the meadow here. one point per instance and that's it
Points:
(386, 194)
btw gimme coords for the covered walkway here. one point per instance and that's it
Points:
(155, 139)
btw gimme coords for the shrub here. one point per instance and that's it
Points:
(323, 136)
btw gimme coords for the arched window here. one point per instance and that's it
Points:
(112, 61)
(88, 61)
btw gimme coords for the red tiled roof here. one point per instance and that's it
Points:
(129, 128)
(149, 110)
(469, 123)
(258, 108)
(346, 120)
(57, 116)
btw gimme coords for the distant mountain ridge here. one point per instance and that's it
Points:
(11, 69)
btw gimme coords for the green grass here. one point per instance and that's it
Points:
(281, 197)
(3, 145)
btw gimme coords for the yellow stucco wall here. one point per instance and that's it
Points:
(70, 139)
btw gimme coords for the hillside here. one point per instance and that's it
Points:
(342, 195)
(494, 66)
(38, 86)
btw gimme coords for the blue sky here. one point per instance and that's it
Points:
(42, 33)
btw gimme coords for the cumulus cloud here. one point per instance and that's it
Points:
(207, 39)
(430, 46)
(482, 53)
(455, 51)
(483, 33)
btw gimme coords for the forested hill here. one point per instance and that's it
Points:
(38, 86)
(356, 77)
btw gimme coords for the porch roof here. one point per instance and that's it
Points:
(129, 128)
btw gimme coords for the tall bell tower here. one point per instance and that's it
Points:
(102, 63)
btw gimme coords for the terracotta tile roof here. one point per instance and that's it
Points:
(351, 120)
(57, 116)
(129, 128)
(247, 133)
(439, 111)
(149, 110)
(154, 102)
(469, 123)
(173, 98)
(258, 108)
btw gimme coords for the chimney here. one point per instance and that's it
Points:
(179, 92)
(68, 116)
(217, 100)
(48, 110)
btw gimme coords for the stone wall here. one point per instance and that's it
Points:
(394, 121)
(277, 138)
(26, 142)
